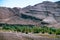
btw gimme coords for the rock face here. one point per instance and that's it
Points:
(47, 12)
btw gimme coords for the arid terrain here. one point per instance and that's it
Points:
(45, 13)
(22, 36)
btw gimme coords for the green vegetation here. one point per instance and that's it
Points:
(32, 29)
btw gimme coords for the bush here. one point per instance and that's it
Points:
(9, 28)
(27, 29)
(36, 29)
(58, 32)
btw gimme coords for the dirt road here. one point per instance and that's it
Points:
(22, 36)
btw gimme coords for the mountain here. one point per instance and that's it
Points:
(45, 13)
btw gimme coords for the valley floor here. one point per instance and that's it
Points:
(22, 36)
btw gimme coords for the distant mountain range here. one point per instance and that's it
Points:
(45, 13)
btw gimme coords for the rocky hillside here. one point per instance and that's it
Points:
(45, 13)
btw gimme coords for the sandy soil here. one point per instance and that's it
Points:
(22, 36)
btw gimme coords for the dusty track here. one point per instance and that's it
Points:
(22, 36)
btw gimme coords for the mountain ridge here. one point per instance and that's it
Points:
(46, 12)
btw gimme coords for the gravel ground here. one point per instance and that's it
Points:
(22, 36)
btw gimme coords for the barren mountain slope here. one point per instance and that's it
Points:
(46, 12)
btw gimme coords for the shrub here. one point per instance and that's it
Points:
(34, 29)
(58, 32)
